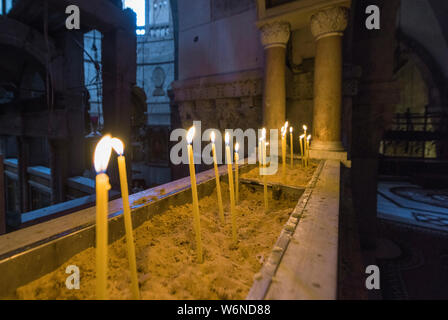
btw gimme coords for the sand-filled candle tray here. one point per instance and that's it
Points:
(296, 176)
(165, 248)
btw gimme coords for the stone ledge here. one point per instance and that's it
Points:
(265, 277)
(307, 268)
(328, 155)
(331, 155)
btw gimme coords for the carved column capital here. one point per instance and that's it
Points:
(329, 22)
(275, 34)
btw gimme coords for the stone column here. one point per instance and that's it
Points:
(73, 149)
(327, 27)
(373, 109)
(274, 37)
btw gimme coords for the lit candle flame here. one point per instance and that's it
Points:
(190, 135)
(227, 138)
(212, 136)
(286, 125)
(102, 154)
(302, 136)
(290, 129)
(283, 131)
(308, 138)
(305, 127)
(117, 145)
(237, 147)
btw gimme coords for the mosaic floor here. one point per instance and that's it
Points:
(408, 203)
(421, 271)
(416, 220)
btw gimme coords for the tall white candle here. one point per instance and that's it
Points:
(231, 189)
(291, 143)
(237, 158)
(218, 183)
(118, 146)
(194, 193)
(101, 160)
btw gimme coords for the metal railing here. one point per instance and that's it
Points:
(417, 135)
(426, 122)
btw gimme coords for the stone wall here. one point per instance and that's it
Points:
(221, 102)
(220, 65)
(217, 38)
(300, 98)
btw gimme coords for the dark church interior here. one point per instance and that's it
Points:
(346, 100)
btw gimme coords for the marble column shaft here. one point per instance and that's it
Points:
(274, 37)
(327, 27)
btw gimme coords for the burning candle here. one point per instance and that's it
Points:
(218, 184)
(259, 156)
(283, 145)
(194, 193)
(237, 158)
(260, 148)
(301, 149)
(284, 128)
(308, 149)
(292, 150)
(265, 185)
(101, 159)
(304, 143)
(231, 191)
(118, 146)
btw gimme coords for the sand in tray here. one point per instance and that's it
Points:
(298, 176)
(166, 255)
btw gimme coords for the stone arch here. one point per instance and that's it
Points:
(23, 50)
(409, 51)
(19, 35)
